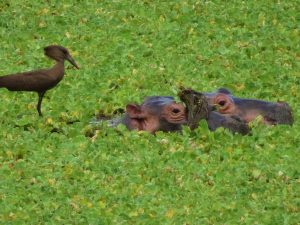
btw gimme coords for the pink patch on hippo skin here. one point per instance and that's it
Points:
(251, 115)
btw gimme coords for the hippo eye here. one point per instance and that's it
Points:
(175, 111)
(222, 103)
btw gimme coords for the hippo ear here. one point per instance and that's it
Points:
(224, 91)
(134, 111)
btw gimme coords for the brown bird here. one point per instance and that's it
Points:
(40, 80)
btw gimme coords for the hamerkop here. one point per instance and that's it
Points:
(40, 80)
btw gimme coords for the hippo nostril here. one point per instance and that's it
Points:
(175, 110)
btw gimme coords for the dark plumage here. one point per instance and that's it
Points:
(40, 80)
(197, 106)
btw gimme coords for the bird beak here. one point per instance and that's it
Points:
(72, 61)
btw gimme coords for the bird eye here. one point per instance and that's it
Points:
(65, 51)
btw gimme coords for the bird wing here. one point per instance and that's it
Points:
(38, 80)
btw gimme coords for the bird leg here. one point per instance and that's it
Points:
(38, 107)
